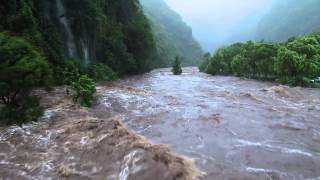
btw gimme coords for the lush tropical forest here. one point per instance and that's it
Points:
(295, 62)
(286, 49)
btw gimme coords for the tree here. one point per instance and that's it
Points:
(289, 66)
(22, 68)
(205, 61)
(239, 65)
(176, 69)
(296, 62)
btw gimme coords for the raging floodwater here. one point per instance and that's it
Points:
(232, 128)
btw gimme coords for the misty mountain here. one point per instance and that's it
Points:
(216, 23)
(290, 18)
(173, 36)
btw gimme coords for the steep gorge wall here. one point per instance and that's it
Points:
(112, 32)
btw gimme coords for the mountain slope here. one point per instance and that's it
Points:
(290, 18)
(173, 37)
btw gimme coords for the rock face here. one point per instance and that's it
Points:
(116, 33)
(71, 143)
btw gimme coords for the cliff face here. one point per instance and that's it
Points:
(112, 32)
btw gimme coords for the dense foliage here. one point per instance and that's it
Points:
(176, 68)
(173, 37)
(68, 42)
(22, 68)
(290, 18)
(83, 90)
(101, 72)
(296, 62)
(115, 33)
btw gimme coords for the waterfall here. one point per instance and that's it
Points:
(85, 52)
(64, 21)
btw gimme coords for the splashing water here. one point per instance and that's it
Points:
(234, 128)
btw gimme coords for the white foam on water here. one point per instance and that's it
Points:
(297, 151)
(145, 129)
(258, 170)
(282, 175)
(84, 140)
(102, 137)
(202, 157)
(3, 162)
(130, 164)
(45, 139)
(201, 142)
(49, 113)
(282, 149)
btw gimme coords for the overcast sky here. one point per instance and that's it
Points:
(217, 22)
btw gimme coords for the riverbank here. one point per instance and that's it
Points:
(70, 142)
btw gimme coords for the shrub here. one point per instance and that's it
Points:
(83, 90)
(176, 69)
(205, 61)
(101, 72)
(69, 72)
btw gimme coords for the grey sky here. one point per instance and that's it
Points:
(217, 22)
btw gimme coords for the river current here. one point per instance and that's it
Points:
(232, 128)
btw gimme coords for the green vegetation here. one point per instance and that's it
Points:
(69, 72)
(296, 62)
(172, 36)
(110, 38)
(115, 33)
(176, 69)
(101, 72)
(22, 68)
(83, 90)
(24, 110)
(290, 18)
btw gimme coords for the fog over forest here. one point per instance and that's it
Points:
(216, 22)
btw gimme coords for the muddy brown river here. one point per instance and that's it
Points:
(233, 128)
